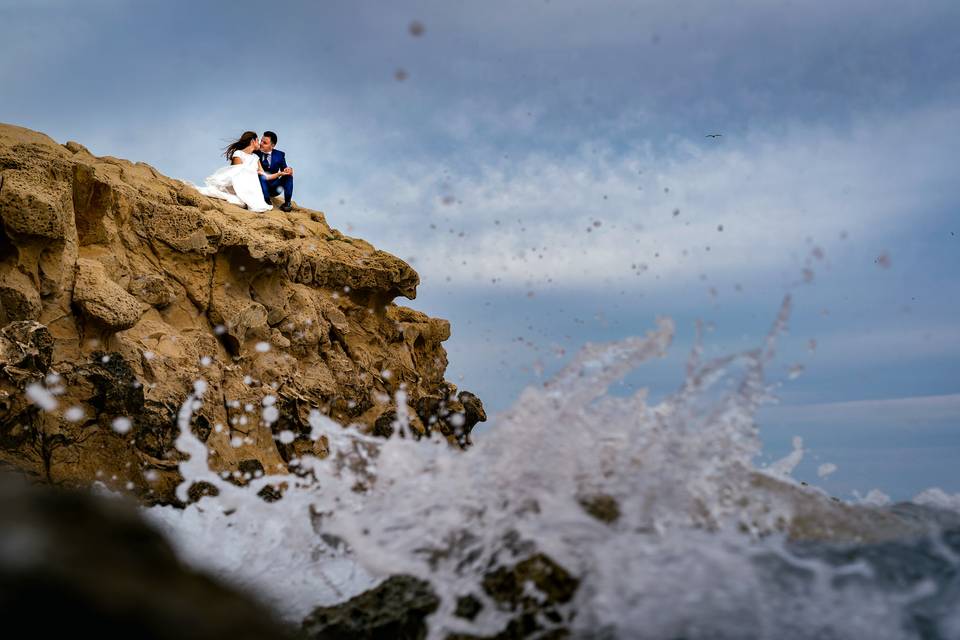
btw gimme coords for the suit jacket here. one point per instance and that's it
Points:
(278, 161)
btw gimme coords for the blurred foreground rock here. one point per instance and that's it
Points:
(395, 610)
(74, 565)
(531, 593)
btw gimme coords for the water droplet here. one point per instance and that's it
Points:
(39, 396)
(121, 424)
(74, 414)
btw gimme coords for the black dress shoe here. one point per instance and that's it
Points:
(285, 207)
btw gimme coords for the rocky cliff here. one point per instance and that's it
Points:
(119, 287)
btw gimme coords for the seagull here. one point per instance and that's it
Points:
(714, 135)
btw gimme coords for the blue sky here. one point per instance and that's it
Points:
(544, 166)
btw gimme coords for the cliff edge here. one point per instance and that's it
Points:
(119, 287)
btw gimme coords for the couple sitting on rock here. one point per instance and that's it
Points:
(257, 172)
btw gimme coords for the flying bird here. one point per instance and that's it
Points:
(714, 135)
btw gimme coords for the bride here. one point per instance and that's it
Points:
(239, 182)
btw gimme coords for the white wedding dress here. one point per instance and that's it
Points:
(238, 183)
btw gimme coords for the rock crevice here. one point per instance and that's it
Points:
(120, 287)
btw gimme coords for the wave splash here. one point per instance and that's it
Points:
(656, 510)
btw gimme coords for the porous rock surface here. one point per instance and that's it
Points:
(119, 287)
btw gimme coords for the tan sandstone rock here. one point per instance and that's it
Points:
(127, 286)
(103, 299)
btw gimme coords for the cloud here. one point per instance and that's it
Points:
(523, 125)
(887, 344)
(726, 207)
(905, 413)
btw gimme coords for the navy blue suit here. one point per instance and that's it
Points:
(278, 162)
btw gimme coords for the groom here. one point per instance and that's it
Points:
(274, 161)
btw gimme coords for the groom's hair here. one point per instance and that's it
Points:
(271, 135)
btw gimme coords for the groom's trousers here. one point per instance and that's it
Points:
(272, 188)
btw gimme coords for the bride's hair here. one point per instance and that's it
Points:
(240, 144)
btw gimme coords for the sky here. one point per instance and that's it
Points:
(545, 167)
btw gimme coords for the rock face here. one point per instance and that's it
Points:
(119, 287)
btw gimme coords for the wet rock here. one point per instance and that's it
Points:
(26, 349)
(473, 413)
(601, 506)
(394, 610)
(468, 607)
(397, 608)
(472, 407)
(454, 415)
(538, 616)
(508, 585)
(201, 489)
(114, 380)
(269, 493)
(383, 426)
(253, 468)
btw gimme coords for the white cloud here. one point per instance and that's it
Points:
(896, 412)
(886, 344)
(768, 191)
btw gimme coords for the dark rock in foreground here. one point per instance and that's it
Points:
(394, 610)
(74, 565)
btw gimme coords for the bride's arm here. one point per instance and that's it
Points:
(268, 176)
(236, 160)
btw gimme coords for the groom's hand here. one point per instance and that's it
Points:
(288, 171)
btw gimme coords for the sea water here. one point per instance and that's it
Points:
(703, 545)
